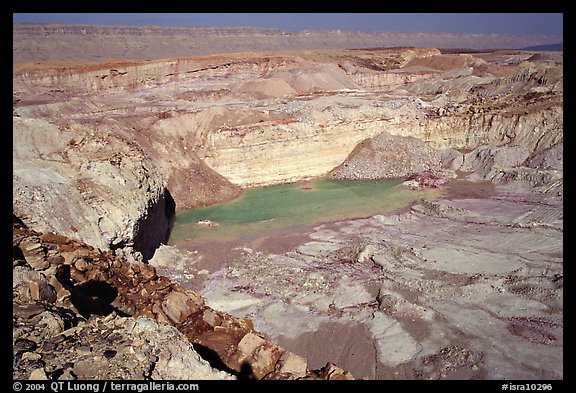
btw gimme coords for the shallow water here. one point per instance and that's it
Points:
(292, 206)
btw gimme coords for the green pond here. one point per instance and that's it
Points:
(291, 206)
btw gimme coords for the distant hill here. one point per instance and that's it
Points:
(548, 47)
(43, 42)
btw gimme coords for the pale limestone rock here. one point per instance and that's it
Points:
(319, 248)
(169, 258)
(49, 323)
(249, 343)
(394, 344)
(293, 364)
(179, 305)
(84, 194)
(38, 375)
(177, 359)
(211, 317)
(367, 252)
(395, 304)
(549, 158)
(349, 294)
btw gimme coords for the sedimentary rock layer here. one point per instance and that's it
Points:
(469, 288)
(86, 136)
(35, 42)
(89, 183)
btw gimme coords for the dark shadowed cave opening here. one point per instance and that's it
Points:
(154, 229)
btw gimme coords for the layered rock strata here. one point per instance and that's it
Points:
(89, 183)
(40, 42)
(99, 150)
(220, 111)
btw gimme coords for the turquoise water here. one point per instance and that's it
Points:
(292, 205)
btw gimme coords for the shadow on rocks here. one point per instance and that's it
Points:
(212, 357)
(91, 297)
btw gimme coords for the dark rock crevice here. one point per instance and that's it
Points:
(154, 228)
(80, 313)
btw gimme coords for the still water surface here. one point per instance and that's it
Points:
(292, 206)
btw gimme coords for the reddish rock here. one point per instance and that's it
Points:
(427, 179)
(85, 280)
(259, 353)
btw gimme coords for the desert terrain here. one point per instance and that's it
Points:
(465, 282)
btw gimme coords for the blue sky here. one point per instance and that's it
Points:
(509, 23)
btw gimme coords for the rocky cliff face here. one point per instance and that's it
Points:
(524, 108)
(89, 183)
(207, 126)
(460, 110)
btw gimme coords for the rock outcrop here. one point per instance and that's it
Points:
(89, 183)
(510, 117)
(80, 313)
(213, 114)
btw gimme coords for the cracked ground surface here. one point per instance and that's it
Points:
(468, 288)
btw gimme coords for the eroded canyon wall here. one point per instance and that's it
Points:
(95, 146)
(90, 184)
